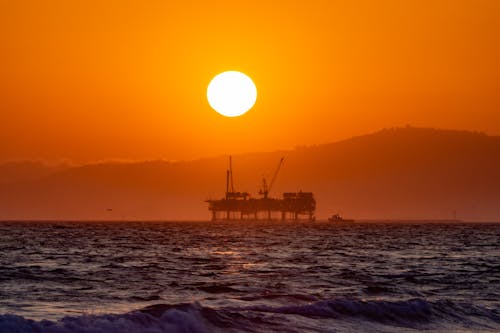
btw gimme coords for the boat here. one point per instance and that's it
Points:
(337, 218)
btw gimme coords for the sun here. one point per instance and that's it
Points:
(231, 93)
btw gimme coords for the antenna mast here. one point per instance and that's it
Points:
(231, 172)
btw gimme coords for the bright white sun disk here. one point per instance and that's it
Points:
(231, 93)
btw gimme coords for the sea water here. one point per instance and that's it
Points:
(157, 277)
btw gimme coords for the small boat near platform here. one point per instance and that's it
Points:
(337, 218)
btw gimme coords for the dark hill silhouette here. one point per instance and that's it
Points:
(402, 173)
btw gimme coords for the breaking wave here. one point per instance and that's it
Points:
(332, 314)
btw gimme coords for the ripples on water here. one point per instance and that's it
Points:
(203, 277)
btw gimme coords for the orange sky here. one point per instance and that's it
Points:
(91, 80)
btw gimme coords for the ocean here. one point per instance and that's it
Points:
(153, 277)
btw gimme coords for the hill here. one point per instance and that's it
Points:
(401, 173)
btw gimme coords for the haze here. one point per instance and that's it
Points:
(405, 173)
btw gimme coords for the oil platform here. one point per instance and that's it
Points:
(241, 206)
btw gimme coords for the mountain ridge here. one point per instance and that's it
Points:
(398, 173)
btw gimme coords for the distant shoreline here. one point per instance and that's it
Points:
(276, 221)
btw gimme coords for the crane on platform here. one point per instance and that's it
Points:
(266, 188)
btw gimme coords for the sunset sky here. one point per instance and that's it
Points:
(93, 80)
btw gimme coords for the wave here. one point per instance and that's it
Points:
(412, 313)
(195, 318)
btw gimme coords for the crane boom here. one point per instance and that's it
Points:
(275, 174)
(266, 188)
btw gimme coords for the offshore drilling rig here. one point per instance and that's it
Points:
(241, 206)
